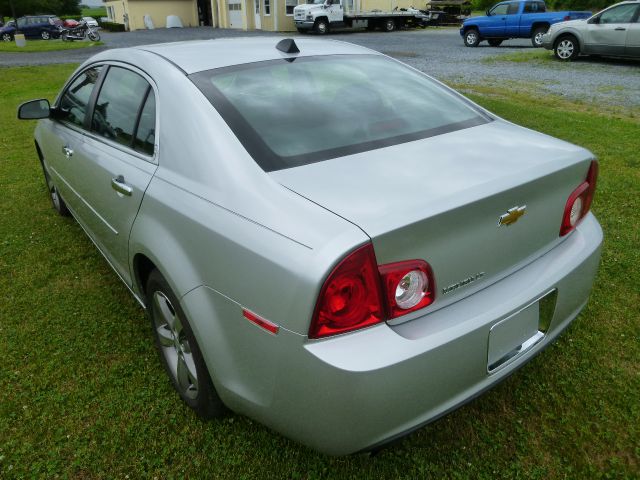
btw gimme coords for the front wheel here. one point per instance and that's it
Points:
(321, 27)
(471, 38)
(567, 48)
(45, 35)
(94, 36)
(56, 200)
(7, 37)
(536, 37)
(179, 350)
(495, 42)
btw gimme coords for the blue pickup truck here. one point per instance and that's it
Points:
(514, 19)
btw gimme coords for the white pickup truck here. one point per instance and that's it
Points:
(322, 15)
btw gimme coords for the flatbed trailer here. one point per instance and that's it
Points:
(322, 16)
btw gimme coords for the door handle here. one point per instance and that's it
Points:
(620, 29)
(68, 152)
(119, 186)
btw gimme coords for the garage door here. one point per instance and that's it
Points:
(235, 13)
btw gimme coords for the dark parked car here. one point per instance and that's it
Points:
(33, 26)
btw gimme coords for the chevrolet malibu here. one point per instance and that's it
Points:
(325, 239)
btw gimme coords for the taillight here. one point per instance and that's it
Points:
(358, 293)
(579, 201)
(408, 286)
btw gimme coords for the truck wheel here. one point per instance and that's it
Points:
(321, 27)
(471, 38)
(536, 37)
(389, 25)
(495, 42)
(566, 48)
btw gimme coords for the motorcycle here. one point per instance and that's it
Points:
(79, 32)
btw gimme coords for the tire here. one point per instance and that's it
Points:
(56, 200)
(45, 35)
(566, 48)
(536, 36)
(7, 37)
(471, 37)
(388, 25)
(179, 351)
(94, 36)
(321, 27)
(495, 42)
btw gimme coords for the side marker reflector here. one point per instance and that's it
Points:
(261, 322)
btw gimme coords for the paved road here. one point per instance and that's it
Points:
(436, 51)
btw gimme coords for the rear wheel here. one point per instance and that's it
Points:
(7, 37)
(389, 25)
(536, 36)
(179, 350)
(566, 48)
(495, 42)
(321, 27)
(471, 38)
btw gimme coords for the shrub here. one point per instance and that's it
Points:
(112, 26)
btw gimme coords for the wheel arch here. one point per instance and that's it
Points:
(538, 24)
(568, 33)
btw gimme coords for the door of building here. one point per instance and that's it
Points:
(234, 8)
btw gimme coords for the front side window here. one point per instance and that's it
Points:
(500, 9)
(73, 103)
(513, 9)
(116, 111)
(620, 14)
(288, 114)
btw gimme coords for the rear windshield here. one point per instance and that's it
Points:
(292, 113)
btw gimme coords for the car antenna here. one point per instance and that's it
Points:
(288, 45)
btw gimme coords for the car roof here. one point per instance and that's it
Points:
(199, 55)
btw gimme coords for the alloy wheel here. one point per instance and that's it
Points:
(175, 346)
(565, 49)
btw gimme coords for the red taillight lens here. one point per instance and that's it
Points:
(350, 297)
(408, 286)
(579, 201)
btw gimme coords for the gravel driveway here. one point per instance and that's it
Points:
(436, 51)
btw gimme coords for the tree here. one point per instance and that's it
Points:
(17, 8)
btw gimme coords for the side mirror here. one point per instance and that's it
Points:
(595, 20)
(34, 109)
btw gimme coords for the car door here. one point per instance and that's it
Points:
(633, 37)
(606, 33)
(116, 161)
(496, 26)
(65, 136)
(512, 23)
(24, 27)
(334, 11)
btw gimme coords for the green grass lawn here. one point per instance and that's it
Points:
(538, 55)
(46, 46)
(83, 395)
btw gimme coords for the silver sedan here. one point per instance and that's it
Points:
(325, 239)
(614, 31)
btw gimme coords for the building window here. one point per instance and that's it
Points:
(267, 7)
(289, 5)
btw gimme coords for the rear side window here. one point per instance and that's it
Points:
(288, 114)
(146, 133)
(118, 105)
(534, 7)
(74, 101)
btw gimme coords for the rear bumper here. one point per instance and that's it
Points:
(359, 390)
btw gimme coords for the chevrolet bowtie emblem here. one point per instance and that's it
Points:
(512, 215)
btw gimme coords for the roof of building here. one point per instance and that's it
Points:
(200, 55)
